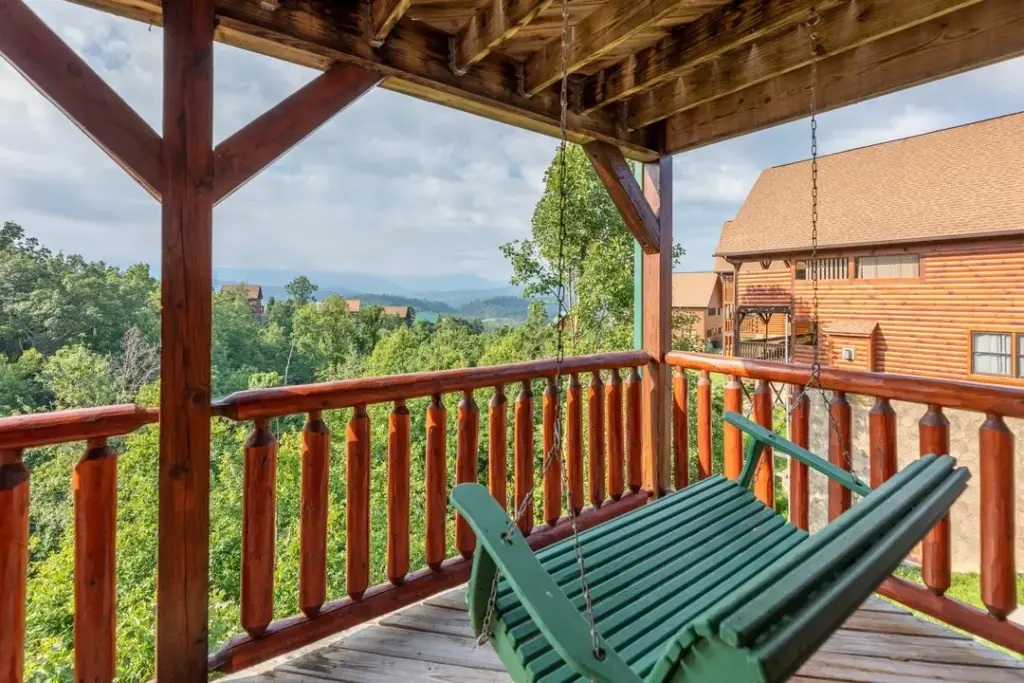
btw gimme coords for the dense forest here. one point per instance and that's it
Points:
(76, 333)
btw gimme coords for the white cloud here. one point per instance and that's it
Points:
(911, 120)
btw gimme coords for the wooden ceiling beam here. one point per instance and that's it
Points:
(712, 35)
(384, 14)
(492, 25)
(601, 31)
(415, 61)
(60, 75)
(257, 145)
(973, 37)
(626, 194)
(838, 31)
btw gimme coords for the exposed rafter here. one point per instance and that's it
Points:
(492, 25)
(726, 28)
(972, 37)
(785, 51)
(384, 14)
(65, 79)
(601, 31)
(254, 147)
(626, 193)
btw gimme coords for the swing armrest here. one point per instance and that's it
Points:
(558, 619)
(762, 438)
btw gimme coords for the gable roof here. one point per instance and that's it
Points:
(355, 305)
(693, 290)
(850, 328)
(252, 292)
(723, 266)
(954, 183)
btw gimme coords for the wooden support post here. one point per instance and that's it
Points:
(639, 207)
(186, 283)
(13, 564)
(259, 529)
(613, 407)
(316, 463)
(936, 550)
(633, 437)
(681, 429)
(398, 493)
(657, 469)
(436, 482)
(764, 475)
(800, 434)
(736, 319)
(732, 437)
(523, 454)
(882, 442)
(552, 503)
(468, 419)
(497, 447)
(840, 452)
(573, 443)
(998, 561)
(357, 504)
(704, 455)
(595, 440)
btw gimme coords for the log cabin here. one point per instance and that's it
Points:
(637, 80)
(698, 296)
(407, 314)
(920, 248)
(253, 294)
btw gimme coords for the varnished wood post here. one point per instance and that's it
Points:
(259, 527)
(357, 503)
(657, 331)
(704, 456)
(95, 491)
(732, 438)
(998, 561)
(468, 416)
(882, 442)
(633, 468)
(398, 493)
(613, 397)
(497, 447)
(595, 442)
(681, 429)
(523, 454)
(13, 564)
(936, 549)
(764, 475)
(316, 462)
(574, 443)
(800, 434)
(436, 482)
(552, 504)
(736, 320)
(186, 283)
(840, 452)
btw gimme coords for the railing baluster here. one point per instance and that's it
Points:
(398, 492)
(595, 444)
(840, 452)
(552, 504)
(13, 563)
(732, 438)
(497, 447)
(357, 549)
(574, 442)
(936, 557)
(465, 465)
(998, 561)
(633, 445)
(94, 482)
(764, 475)
(316, 459)
(613, 398)
(524, 457)
(882, 442)
(680, 429)
(436, 482)
(704, 426)
(800, 433)
(259, 524)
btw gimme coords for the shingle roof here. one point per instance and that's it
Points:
(723, 266)
(252, 292)
(952, 183)
(354, 306)
(692, 290)
(851, 328)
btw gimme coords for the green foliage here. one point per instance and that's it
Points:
(301, 290)
(79, 378)
(21, 388)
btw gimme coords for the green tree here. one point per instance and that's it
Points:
(21, 387)
(324, 334)
(79, 378)
(301, 290)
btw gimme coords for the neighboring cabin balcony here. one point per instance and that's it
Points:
(606, 455)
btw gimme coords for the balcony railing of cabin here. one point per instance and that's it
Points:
(613, 470)
(996, 470)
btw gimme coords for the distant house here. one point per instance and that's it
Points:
(406, 313)
(254, 293)
(700, 294)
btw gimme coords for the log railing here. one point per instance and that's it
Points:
(608, 455)
(995, 444)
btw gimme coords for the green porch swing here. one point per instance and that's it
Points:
(707, 585)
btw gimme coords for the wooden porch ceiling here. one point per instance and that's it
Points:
(650, 76)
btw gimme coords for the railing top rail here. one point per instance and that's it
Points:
(983, 398)
(280, 401)
(63, 426)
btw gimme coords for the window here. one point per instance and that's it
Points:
(892, 266)
(991, 354)
(1020, 355)
(837, 268)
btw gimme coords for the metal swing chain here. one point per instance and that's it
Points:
(556, 446)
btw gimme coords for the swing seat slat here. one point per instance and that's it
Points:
(707, 584)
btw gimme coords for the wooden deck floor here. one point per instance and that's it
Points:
(431, 643)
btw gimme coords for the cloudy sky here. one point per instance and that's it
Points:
(392, 185)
